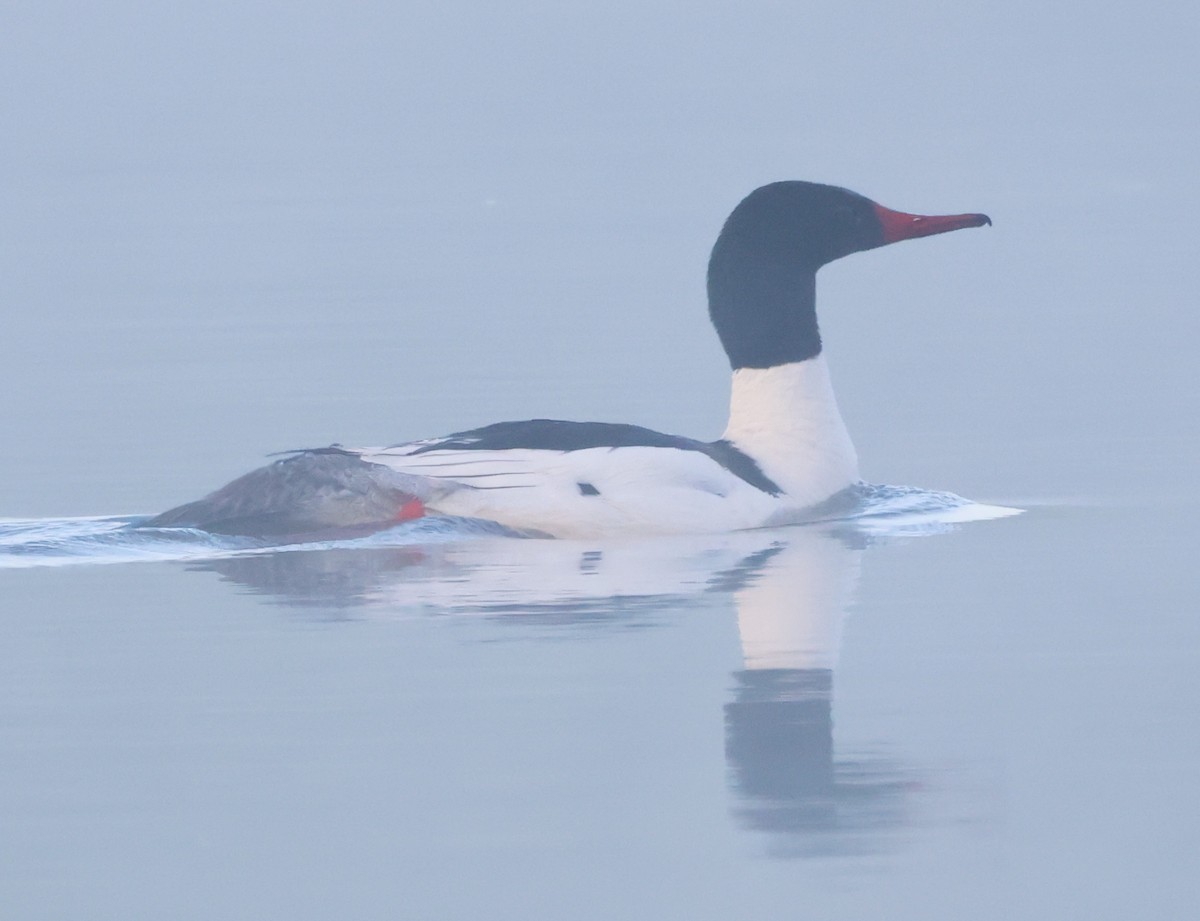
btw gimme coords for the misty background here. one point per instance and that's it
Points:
(231, 229)
(234, 229)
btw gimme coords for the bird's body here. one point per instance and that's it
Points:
(573, 479)
(784, 457)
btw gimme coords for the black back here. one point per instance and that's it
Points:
(556, 435)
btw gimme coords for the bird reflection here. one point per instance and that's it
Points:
(791, 589)
(779, 740)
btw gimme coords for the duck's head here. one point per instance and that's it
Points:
(762, 273)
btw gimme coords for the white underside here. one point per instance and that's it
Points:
(786, 418)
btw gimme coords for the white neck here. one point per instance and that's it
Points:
(787, 419)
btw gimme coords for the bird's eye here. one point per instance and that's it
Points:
(849, 218)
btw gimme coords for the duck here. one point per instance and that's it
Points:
(784, 458)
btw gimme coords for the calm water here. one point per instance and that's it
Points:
(229, 233)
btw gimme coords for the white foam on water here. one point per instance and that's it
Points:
(883, 511)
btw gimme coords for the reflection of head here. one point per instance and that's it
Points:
(779, 726)
(779, 735)
(779, 747)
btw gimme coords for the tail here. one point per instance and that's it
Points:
(326, 492)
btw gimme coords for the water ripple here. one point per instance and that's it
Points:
(877, 511)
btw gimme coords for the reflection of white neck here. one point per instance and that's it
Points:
(787, 419)
(790, 615)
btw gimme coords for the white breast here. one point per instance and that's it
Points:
(787, 419)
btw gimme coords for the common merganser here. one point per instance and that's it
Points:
(783, 457)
